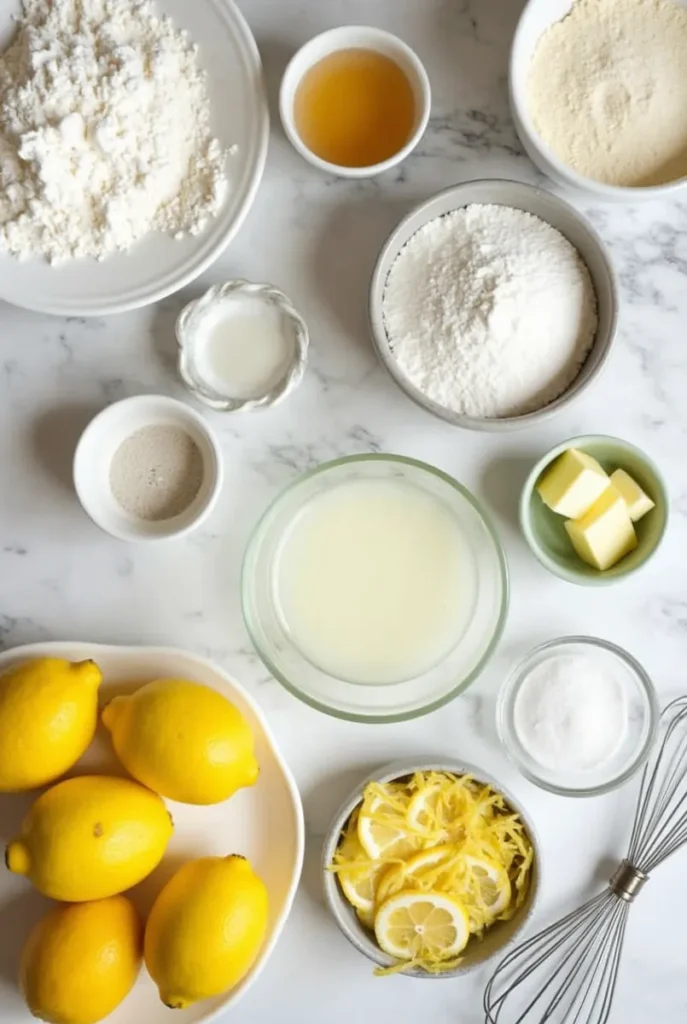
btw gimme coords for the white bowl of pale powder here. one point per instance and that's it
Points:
(598, 92)
(148, 468)
(493, 305)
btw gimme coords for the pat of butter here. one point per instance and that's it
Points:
(638, 503)
(572, 484)
(605, 533)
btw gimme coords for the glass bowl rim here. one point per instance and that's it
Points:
(516, 677)
(256, 537)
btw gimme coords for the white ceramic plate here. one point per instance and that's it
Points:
(159, 265)
(264, 823)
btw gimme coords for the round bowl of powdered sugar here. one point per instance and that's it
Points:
(493, 305)
(148, 468)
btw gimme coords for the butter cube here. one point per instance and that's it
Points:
(638, 503)
(572, 484)
(604, 534)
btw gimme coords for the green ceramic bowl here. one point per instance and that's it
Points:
(544, 530)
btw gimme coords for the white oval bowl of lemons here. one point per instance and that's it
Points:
(139, 789)
(430, 868)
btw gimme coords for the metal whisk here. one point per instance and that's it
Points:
(567, 974)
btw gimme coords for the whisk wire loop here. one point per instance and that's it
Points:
(568, 972)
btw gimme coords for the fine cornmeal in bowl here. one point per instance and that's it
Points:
(489, 311)
(607, 90)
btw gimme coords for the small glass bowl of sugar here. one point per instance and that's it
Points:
(241, 346)
(578, 716)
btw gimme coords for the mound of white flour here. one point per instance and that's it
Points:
(490, 311)
(104, 131)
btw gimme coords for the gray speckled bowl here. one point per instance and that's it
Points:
(548, 207)
(478, 953)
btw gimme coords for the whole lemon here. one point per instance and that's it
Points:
(81, 960)
(91, 837)
(205, 929)
(184, 740)
(48, 715)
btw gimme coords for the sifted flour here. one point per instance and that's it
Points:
(608, 90)
(490, 311)
(104, 131)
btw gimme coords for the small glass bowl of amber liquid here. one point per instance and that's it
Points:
(355, 101)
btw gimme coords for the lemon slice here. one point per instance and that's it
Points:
(383, 830)
(366, 918)
(358, 874)
(424, 926)
(360, 885)
(486, 891)
(437, 810)
(423, 870)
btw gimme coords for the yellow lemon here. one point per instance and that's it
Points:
(184, 740)
(48, 715)
(205, 930)
(91, 837)
(81, 960)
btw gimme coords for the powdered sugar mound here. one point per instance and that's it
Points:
(490, 311)
(104, 131)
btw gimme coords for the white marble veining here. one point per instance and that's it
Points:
(317, 238)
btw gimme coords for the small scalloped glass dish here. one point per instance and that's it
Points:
(242, 346)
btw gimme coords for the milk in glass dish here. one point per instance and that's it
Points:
(241, 346)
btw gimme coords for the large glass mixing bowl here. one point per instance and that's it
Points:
(478, 628)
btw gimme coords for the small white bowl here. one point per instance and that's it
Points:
(535, 19)
(101, 439)
(355, 37)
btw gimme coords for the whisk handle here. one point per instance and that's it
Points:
(627, 881)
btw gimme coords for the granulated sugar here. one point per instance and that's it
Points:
(156, 473)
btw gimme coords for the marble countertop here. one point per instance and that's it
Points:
(317, 238)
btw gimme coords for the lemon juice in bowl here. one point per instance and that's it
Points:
(374, 581)
(375, 588)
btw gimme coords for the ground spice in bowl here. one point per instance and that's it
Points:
(156, 472)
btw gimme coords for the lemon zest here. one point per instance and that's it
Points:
(473, 824)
